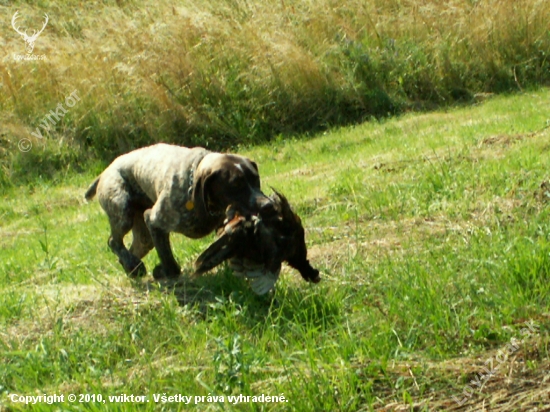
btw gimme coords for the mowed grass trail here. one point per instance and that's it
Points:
(432, 232)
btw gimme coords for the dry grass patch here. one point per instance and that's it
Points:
(521, 383)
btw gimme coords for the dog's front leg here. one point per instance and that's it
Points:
(168, 266)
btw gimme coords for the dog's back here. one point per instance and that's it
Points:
(150, 168)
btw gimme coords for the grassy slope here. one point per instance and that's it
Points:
(432, 232)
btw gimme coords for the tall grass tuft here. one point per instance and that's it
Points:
(229, 72)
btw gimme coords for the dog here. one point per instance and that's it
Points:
(164, 188)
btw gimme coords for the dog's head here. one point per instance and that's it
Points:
(291, 243)
(226, 179)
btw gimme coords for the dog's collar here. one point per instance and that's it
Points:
(191, 183)
(190, 204)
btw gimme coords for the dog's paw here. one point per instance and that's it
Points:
(134, 267)
(160, 272)
(139, 271)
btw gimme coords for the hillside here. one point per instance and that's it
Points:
(432, 235)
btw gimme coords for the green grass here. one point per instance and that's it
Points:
(432, 234)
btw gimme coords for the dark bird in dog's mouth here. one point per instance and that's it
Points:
(256, 246)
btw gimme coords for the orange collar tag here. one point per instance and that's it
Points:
(189, 205)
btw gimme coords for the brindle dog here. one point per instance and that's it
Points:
(163, 188)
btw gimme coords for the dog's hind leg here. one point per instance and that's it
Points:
(142, 242)
(116, 201)
(132, 264)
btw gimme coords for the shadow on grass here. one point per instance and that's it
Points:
(190, 290)
(221, 294)
(212, 292)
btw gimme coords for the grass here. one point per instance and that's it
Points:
(233, 72)
(432, 234)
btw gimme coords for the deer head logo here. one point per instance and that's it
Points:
(29, 40)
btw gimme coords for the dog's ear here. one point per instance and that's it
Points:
(201, 189)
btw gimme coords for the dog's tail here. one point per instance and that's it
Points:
(90, 193)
